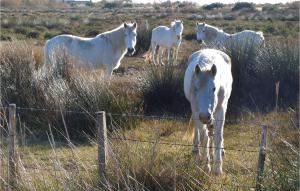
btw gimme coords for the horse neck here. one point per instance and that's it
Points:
(221, 35)
(117, 39)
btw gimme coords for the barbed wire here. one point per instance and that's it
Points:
(179, 144)
(52, 110)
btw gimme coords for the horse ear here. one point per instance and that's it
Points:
(214, 70)
(125, 25)
(134, 25)
(197, 69)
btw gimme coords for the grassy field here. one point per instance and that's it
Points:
(146, 154)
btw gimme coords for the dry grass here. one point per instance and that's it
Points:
(154, 166)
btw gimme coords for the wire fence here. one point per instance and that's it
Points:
(112, 138)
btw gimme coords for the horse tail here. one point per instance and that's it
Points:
(190, 132)
(262, 39)
(147, 55)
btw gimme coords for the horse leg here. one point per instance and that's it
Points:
(161, 54)
(176, 55)
(201, 136)
(169, 56)
(196, 140)
(153, 53)
(205, 142)
(218, 140)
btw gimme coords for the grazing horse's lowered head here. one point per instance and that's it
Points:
(130, 37)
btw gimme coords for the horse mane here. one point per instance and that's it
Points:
(114, 37)
(215, 29)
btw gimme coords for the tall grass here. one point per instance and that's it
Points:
(29, 86)
(255, 73)
(162, 90)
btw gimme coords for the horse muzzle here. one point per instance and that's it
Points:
(200, 41)
(130, 51)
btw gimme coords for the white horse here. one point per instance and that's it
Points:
(105, 51)
(211, 35)
(207, 86)
(166, 38)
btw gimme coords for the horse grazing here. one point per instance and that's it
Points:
(207, 86)
(105, 51)
(166, 38)
(211, 35)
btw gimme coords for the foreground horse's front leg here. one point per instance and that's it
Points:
(218, 140)
(205, 142)
(201, 139)
(161, 54)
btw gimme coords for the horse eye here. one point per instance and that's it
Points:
(214, 89)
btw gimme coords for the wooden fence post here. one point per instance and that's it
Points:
(12, 166)
(261, 158)
(102, 144)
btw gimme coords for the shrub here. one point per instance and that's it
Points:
(190, 36)
(162, 91)
(110, 5)
(91, 33)
(143, 38)
(255, 74)
(49, 35)
(213, 6)
(243, 5)
(33, 34)
(5, 37)
(21, 30)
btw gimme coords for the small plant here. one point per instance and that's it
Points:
(213, 6)
(243, 5)
(33, 34)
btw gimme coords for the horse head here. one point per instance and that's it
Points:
(204, 92)
(130, 37)
(177, 27)
(200, 31)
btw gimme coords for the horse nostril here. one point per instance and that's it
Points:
(130, 50)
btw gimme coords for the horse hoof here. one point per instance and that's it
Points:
(195, 151)
(208, 168)
(218, 171)
(223, 153)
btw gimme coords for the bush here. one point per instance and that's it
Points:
(143, 38)
(162, 91)
(110, 5)
(33, 34)
(91, 33)
(190, 36)
(213, 6)
(243, 5)
(255, 73)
